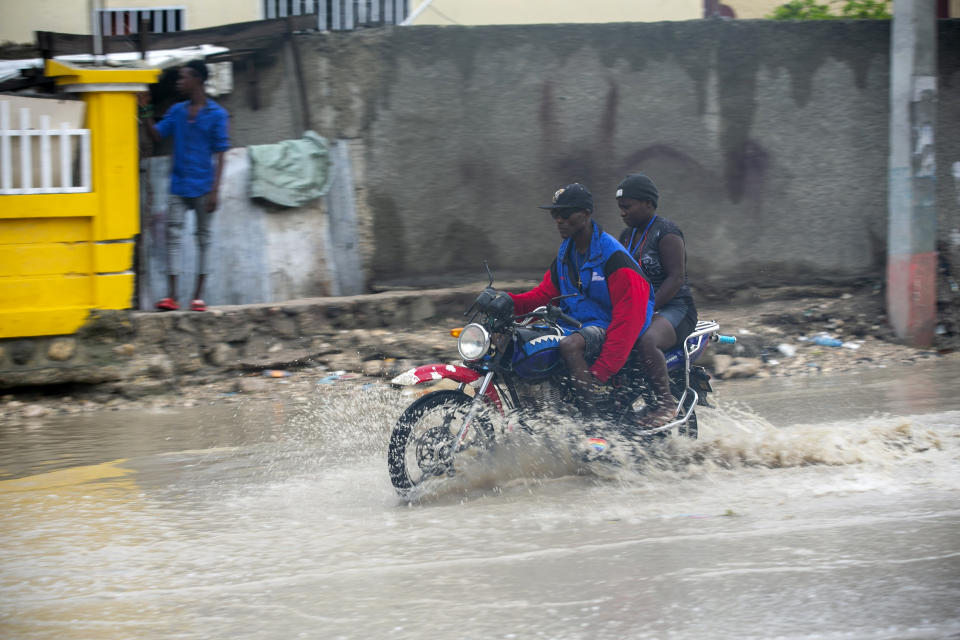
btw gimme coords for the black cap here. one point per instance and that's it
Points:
(638, 186)
(572, 196)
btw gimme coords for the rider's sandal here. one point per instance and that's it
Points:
(659, 416)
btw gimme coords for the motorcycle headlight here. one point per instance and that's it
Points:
(474, 341)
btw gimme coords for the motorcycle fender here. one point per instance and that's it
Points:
(430, 373)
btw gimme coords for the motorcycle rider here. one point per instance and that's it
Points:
(657, 245)
(606, 290)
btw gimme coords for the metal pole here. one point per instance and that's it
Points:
(911, 203)
(95, 30)
(416, 13)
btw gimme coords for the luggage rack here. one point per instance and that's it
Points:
(706, 330)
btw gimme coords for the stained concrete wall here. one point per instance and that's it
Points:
(768, 140)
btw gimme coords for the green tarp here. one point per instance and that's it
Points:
(291, 172)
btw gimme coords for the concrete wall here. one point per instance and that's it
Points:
(259, 253)
(947, 142)
(768, 140)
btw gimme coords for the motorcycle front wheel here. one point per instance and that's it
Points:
(422, 442)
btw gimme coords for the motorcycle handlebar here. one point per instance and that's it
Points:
(572, 321)
(553, 314)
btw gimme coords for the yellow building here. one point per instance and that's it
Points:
(471, 12)
(20, 18)
(66, 236)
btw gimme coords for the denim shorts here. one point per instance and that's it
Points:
(593, 338)
(681, 316)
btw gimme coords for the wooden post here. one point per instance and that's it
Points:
(44, 44)
(301, 85)
(253, 82)
(143, 36)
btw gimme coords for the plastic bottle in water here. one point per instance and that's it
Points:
(827, 341)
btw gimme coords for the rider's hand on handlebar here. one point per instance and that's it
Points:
(571, 320)
(485, 297)
(501, 306)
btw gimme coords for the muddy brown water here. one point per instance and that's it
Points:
(814, 507)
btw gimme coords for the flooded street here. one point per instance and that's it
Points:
(814, 507)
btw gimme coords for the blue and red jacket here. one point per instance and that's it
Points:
(608, 291)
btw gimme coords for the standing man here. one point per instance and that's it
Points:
(199, 129)
(602, 288)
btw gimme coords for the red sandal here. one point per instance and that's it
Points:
(198, 305)
(167, 304)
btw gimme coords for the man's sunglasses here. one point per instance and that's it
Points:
(562, 213)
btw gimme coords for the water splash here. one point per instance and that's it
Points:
(736, 437)
(351, 423)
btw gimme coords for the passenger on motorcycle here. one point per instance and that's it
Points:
(606, 293)
(657, 245)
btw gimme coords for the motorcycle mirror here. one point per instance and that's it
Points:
(489, 273)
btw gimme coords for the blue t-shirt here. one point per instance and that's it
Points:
(194, 144)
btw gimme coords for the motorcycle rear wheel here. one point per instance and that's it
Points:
(420, 443)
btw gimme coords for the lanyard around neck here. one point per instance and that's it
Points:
(643, 238)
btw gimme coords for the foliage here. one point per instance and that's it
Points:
(850, 10)
(867, 10)
(802, 10)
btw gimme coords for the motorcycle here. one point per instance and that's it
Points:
(512, 372)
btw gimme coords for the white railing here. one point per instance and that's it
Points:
(121, 22)
(341, 15)
(23, 149)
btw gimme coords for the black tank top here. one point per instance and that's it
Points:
(650, 262)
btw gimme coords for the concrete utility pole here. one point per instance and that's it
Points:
(95, 30)
(911, 203)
